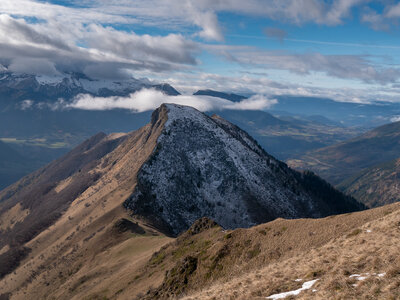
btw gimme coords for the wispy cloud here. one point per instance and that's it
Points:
(340, 66)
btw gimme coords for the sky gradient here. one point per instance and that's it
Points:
(347, 50)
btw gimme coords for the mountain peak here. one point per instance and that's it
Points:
(204, 166)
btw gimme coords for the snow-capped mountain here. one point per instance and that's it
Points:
(204, 166)
(50, 88)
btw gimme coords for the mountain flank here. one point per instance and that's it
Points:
(365, 167)
(377, 185)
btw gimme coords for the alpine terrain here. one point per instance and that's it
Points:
(88, 222)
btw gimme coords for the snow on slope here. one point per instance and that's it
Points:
(76, 81)
(205, 166)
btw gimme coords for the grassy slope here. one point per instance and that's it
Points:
(75, 247)
(267, 259)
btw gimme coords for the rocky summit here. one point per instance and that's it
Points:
(206, 166)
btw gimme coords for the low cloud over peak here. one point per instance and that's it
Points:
(150, 99)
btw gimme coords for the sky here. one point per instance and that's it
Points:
(346, 50)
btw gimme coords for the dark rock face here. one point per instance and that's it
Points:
(124, 225)
(207, 167)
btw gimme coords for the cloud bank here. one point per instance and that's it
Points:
(150, 99)
(51, 46)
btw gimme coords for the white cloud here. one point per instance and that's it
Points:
(184, 13)
(150, 99)
(51, 46)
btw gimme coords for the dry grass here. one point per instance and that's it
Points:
(373, 249)
(81, 254)
(14, 215)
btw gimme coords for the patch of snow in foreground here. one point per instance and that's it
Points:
(306, 285)
(360, 277)
(365, 276)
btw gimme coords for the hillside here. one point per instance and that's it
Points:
(352, 256)
(65, 232)
(346, 159)
(377, 185)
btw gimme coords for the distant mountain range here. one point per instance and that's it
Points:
(16, 87)
(347, 158)
(223, 95)
(327, 111)
(368, 115)
(288, 137)
(30, 125)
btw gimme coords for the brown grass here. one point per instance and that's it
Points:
(372, 248)
(83, 251)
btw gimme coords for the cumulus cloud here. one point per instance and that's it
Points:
(150, 99)
(37, 47)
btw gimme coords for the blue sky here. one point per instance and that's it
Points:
(348, 50)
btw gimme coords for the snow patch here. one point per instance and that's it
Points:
(363, 276)
(306, 286)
